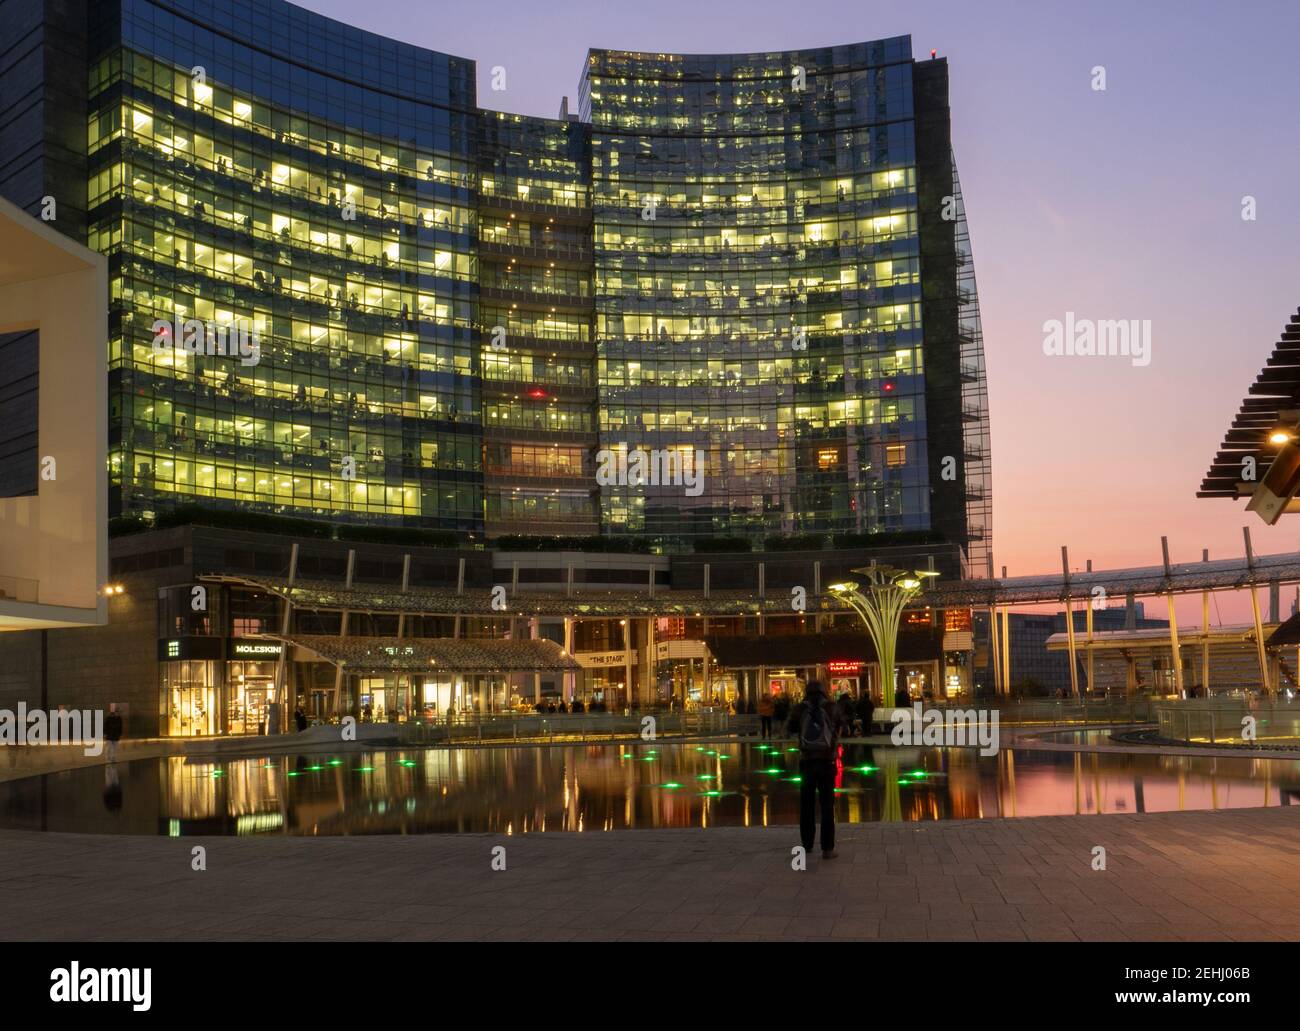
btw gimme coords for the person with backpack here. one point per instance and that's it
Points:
(817, 721)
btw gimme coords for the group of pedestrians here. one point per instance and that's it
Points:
(576, 705)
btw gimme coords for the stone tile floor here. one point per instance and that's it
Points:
(1228, 875)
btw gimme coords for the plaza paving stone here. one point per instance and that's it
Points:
(1217, 876)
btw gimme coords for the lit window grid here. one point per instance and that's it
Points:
(152, 474)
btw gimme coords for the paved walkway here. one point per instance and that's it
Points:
(1232, 875)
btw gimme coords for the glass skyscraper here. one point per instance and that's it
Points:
(753, 267)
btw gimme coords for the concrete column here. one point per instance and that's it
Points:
(817, 594)
(995, 653)
(460, 590)
(281, 679)
(649, 677)
(406, 583)
(1006, 649)
(1173, 623)
(1069, 624)
(568, 684)
(627, 661)
(1205, 643)
(1088, 645)
(534, 632)
(1254, 606)
(1205, 634)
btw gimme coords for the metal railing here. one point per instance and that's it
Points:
(17, 588)
(601, 726)
(1224, 721)
(1061, 711)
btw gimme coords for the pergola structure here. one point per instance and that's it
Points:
(1089, 588)
(1095, 589)
(404, 599)
(408, 657)
(1228, 657)
(1259, 458)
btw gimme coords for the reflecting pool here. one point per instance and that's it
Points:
(613, 786)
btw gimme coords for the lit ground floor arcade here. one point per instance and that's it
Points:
(388, 655)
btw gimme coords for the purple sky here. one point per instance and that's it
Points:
(1123, 204)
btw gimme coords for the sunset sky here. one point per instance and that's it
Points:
(1122, 204)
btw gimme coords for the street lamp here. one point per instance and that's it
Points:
(880, 603)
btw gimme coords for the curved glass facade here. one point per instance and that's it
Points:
(539, 385)
(264, 167)
(734, 296)
(758, 287)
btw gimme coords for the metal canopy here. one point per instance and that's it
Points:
(333, 595)
(433, 655)
(1275, 391)
(1184, 577)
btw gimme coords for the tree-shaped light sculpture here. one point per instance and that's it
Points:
(880, 603)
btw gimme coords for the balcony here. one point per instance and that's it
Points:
(17, 588)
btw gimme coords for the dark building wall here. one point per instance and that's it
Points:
(43, 108)
(19, 413)
(92, 667)
(935, 191)
(20, 668)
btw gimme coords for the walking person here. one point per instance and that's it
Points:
(847, 714)
(866, 708)
(766, 707)
(818, 722)
(112, 732)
